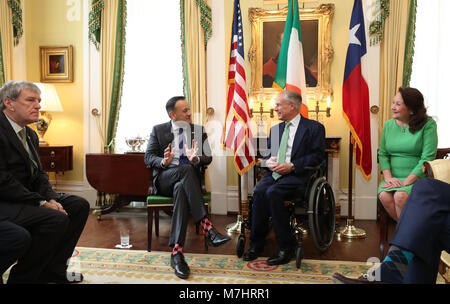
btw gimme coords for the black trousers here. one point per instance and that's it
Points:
(183, 184)
(54, 236)
(14, 242)
(268, 201)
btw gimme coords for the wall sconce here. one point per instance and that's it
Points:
(261, 108)
(317, 109)
(260, 118)
(49, 103)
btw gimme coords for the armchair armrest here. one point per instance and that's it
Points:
(150, 177)
(438, 169)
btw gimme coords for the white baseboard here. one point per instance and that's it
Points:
(232, 199)
(223, 203)
(219, 203)
(76, 188)
(363, 207)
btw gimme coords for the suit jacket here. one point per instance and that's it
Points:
(18, 186)
(308, 149)
(162, 136)
(423, 225)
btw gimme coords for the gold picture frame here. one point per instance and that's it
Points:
(56, 63)
(317, 48)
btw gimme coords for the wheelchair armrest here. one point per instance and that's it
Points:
(315, 169)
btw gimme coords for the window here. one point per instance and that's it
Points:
(153, 67)
(431, 62)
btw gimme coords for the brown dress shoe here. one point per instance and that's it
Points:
(340, 279)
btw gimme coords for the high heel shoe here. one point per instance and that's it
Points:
(214, 238)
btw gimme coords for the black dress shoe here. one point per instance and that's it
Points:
(251, 254)
(282, 257)
(340, 279)
(63, 278)
(214, 238)
(178, 263)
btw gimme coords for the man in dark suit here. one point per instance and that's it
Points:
(422, 232)
(294, 144)
(175, 155)
(28, 205)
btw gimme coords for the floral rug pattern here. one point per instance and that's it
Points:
(118, 266)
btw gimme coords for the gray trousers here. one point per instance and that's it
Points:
(183, 184)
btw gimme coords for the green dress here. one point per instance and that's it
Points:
(404, 153)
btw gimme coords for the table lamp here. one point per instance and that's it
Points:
(49, 103)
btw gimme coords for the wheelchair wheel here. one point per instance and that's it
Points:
(321, 214)
(240, 246)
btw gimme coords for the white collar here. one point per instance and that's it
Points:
(295, 121)
(15, 126)
(179, 125)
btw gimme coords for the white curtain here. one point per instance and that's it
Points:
(153, 67)
(431, 64)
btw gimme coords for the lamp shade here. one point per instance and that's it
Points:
(49, 98)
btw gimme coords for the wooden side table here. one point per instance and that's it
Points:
(56, 158)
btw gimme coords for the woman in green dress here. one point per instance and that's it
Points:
(407, 141)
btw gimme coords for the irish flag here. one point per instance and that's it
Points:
(290, 73)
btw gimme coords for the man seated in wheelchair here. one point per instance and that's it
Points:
(294, 144)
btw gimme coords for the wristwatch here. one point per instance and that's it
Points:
(292, 167)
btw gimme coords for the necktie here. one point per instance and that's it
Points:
(183, 159)
(23, 138)
(282, 150)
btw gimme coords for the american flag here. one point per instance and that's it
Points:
(237, 135)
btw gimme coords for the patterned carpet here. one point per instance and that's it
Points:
(118, 266)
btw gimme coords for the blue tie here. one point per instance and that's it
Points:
(183, 159)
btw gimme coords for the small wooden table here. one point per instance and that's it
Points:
(123, 174)
(56, 158)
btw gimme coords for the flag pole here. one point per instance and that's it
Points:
(350, 230)
(243, 205)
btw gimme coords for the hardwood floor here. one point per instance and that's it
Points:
(105, 234)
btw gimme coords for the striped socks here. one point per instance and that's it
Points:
(177, 249)
(206, 225)
(394, 266)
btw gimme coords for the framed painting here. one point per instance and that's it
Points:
(267, 34)
(56, 63)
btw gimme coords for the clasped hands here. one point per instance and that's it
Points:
(52, 204)
(191, 154)
(274, 166)
(393, 183)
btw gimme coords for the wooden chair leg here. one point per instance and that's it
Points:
(149, 228)
(383, 230)
(157, 222)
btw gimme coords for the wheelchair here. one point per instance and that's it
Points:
(312, 206)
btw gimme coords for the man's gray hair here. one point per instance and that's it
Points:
(12, 90)
(293, 97)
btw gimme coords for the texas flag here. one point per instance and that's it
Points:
(355, 91)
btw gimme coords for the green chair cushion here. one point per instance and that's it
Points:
(165, 200)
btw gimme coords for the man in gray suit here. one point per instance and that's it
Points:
(175, 155)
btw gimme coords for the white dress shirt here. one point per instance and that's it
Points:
(292, 130)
